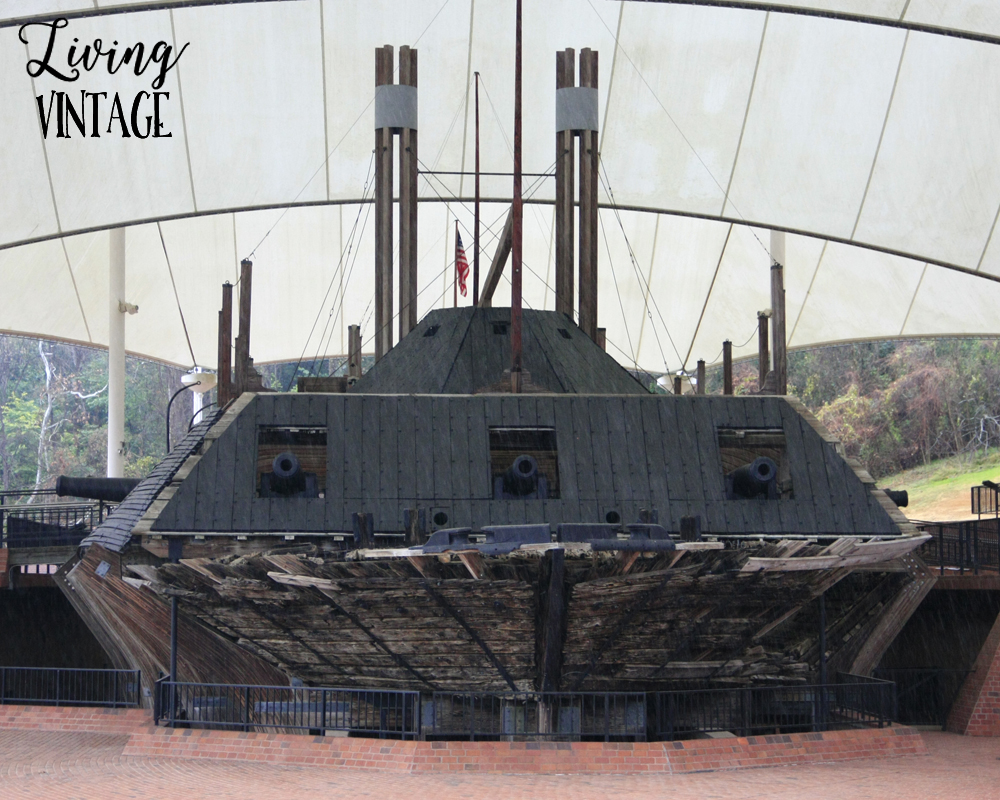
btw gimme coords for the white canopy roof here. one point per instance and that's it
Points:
(868, 130)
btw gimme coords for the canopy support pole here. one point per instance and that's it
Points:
(116, 355)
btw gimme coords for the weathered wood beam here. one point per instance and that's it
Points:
(626, 618)
(242, 366)
(335, 601)
(893, 619)
(490, 656)
(588, 227)
(499, 262)
(224, 366)
(830, 579)
(778, 306)
(383, 214)
(564, 211)
(852, 554)
(763, 350)
(552, 623)
(727, 367)
(407, 205)
(428, 566)
(474, 563)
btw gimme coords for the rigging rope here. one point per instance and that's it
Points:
(691, 147)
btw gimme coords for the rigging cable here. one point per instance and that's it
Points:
(339, 269)
(691, 147)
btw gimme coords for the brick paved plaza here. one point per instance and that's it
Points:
(84, 766)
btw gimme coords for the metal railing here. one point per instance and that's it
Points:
(25, 523)
(603, 716)
(984, 501)
(971, 545)
(374, 713)
(924, 696)
(854, 701)
(116, 688)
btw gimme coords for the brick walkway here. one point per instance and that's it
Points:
(87, 766)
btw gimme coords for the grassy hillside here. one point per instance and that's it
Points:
(940, 490)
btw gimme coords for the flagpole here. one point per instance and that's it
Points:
(454, 278)
(516, 212)
(475, 244)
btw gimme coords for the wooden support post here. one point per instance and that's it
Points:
(517, 209)
(364, 530)
(588, 207)
(602, 338)
(677, 384)
(727, 367)
(499, 261)
(415, 526)
(763, 354)
(552, 623)
(475, 234)
(354, 351)
(242, 366)
(778, 309)
(407, 205)
(383, 215)
(690, 529)
(565, 161)
(224, 366)
(701, 376)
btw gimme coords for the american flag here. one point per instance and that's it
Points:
(461, 263)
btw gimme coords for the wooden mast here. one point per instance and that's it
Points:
(383, 214)
(475, 244)
(565, 161)
(225, 363)
(516, 216)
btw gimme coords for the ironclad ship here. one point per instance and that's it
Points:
(425, 529)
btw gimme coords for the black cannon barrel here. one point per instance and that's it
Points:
(752, 480)
(522, 477)
(899, 496)
(287, 477)
(286, 465)
(111, 490)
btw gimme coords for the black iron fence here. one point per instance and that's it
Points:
(375, 713)
(984, 501)
(969, 546)
(30, 518)
(924, 696)
(583, 716)
(116, 688)
(853, 701)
